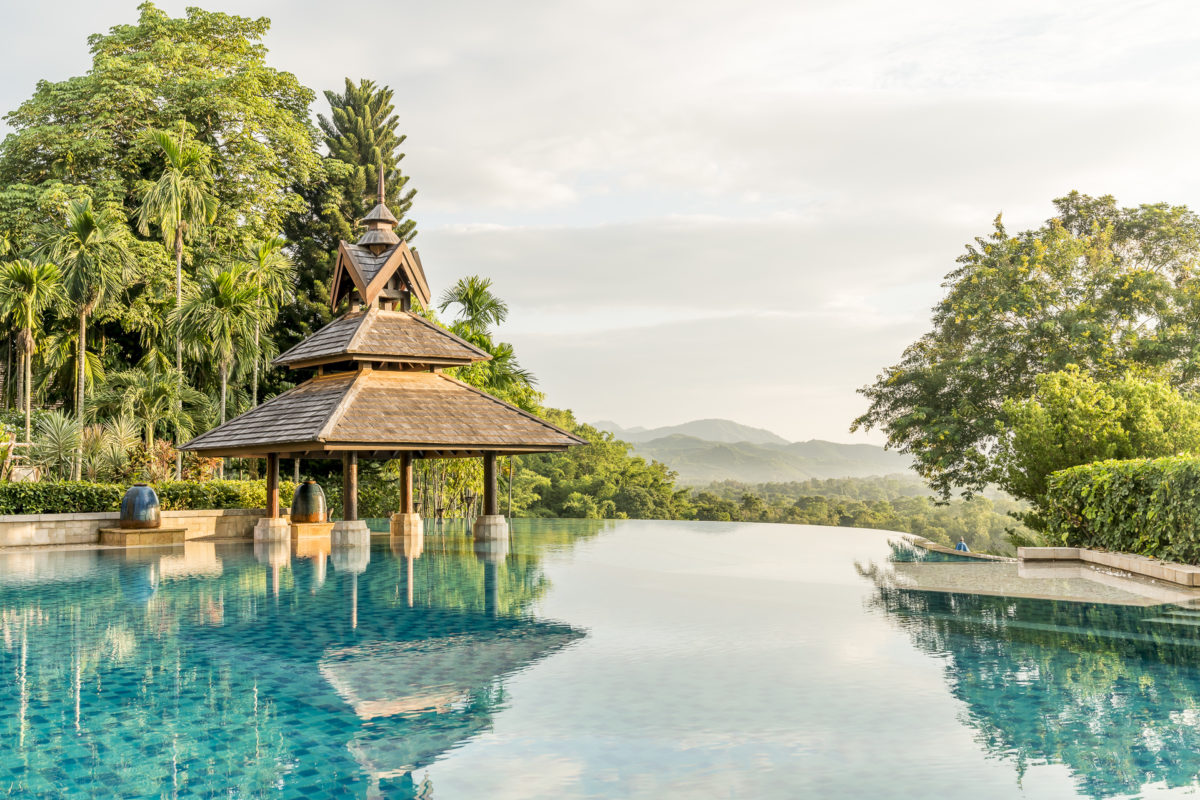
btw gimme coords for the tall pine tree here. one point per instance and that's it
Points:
(360, 133)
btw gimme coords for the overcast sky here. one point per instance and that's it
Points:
(726, 209)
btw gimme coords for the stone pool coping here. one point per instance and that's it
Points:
(1182, 574)
(20, 530)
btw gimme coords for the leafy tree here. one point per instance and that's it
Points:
(1106, 288)
(153, 396)
(219, 319)
(206, 70)
(92, 247)
(1074, 419)
(271, 273)
(27, 290)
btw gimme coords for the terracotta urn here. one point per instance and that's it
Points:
(139, 507)
(308, 503)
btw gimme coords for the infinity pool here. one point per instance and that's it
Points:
(623, 660)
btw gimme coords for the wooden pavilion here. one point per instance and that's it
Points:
(379, 392)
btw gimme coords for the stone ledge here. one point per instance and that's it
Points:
(132, 537)
(1181, 574)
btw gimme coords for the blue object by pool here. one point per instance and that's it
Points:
(623, 660)
(962, 547)
(139, 507)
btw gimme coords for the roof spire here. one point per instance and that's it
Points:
(379, 222)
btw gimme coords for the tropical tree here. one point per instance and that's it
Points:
(93, 250)
(153, 396)
(271, 273)
(60, 364)
(27, 289)
(219, 317)
(180, 202)
(479, 309)
(1109, 289)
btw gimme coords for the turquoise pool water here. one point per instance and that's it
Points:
(623, 660)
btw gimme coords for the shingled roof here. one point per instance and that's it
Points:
(369, 271)
(383, 413)
(376, 334)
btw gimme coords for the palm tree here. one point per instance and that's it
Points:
(272, 273)
(92, 249)
(150, 395)
(479, 309)
(180, 202)
(219, 318)
(26, 290)
(60, 363)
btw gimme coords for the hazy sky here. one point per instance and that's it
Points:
(726, 209)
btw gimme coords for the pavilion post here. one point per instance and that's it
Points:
(491, 501)
(350, 486)
(350, 530)
(272, 526)
(272, 485)
(490, 524)
(406, 523)
(406, 483)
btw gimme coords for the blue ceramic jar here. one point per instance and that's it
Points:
(139, 507)
(308, 503)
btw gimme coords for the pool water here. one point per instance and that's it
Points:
(625, 660)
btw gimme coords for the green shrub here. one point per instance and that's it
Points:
(81, 497)
(1144, 506)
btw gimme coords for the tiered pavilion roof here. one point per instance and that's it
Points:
(379, 390)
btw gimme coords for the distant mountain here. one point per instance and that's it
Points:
(712, 430)
(708, 450)
(700, 462)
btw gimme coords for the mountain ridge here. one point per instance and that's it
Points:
(699, 460)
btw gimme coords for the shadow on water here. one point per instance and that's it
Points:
(1111, 692)
(293, 669)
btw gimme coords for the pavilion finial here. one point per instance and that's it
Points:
(379, 221)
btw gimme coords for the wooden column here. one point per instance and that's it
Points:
(350, 486)
(273, 485)
(406, 483)
(491, 500)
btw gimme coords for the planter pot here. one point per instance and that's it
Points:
(139, 508)
(308, 503)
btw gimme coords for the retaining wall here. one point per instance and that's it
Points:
(56, 529)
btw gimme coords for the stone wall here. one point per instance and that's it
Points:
(57, 529)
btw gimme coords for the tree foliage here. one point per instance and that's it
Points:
(1106, 288)
(1074, 419)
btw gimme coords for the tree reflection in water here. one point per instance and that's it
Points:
(1111, 692)
(267, 672)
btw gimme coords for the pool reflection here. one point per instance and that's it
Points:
(1112, 692)
(285, 670)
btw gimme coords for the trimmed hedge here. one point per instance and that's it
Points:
(81, 497)
(1149, 506)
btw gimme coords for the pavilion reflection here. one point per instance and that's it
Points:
(1112, 692)
(272, 667)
